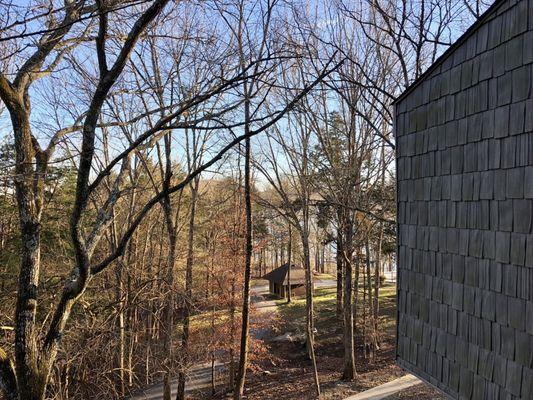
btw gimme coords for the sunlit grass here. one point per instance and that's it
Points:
(325, 306)
(325, 276)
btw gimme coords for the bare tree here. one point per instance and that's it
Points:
(33, 362)
(27, 375)
(293, 193)
(293, 198)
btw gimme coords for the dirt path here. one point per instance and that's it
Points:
(263, 308)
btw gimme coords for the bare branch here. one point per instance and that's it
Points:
(156, 199)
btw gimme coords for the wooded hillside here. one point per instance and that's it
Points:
(158, 157)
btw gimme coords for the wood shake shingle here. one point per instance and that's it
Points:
(464, 135)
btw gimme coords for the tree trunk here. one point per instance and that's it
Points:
(213, 377)
(243, 359)
(121, 327)
(356, 292)
(377, 283)
(168, 323)
(349, 371)
(289, 262)
(260, 262)
(364, 315)
(130, 316)
(169, 310)
(322, 249)
(32, 375)
(379, 261)
(232, 310)
(370, 336)
(340, 276)
(188, 296)
(317, 259)
(167, 391)
(309, 304)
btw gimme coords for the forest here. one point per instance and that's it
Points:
(158, 158)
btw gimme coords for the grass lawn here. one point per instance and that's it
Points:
(325, 307)
(289, 371)
(325, 276)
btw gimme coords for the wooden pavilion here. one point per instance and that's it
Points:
(278, 280)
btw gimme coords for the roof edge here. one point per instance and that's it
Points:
(461, 40)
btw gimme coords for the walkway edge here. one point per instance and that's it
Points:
(387, 389)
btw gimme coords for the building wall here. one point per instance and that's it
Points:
(298, 290)
(465, 191)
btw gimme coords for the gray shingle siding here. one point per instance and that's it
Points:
(464, 137)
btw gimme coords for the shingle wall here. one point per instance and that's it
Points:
(465, 201)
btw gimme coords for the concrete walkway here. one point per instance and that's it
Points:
(198, 378)
(387, 389)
